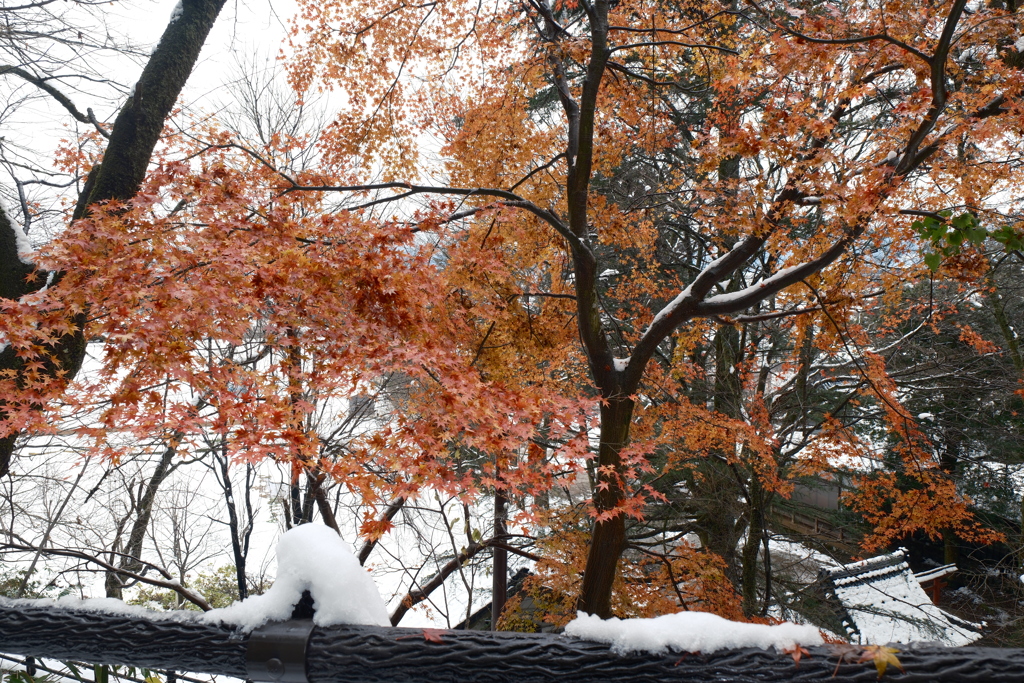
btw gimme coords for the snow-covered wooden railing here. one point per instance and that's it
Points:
(279, 637)
(368, 654)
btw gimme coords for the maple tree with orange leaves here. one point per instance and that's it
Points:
(820, 127)
(595, 240)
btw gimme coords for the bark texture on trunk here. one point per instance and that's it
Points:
(609, 539)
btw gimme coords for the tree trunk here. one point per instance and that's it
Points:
(316, 486)
(999, 312)
(949, 462)
(609, 539)
(721, 523)
(233, 527)
(499, 573)
(751, 549)
(118, 177)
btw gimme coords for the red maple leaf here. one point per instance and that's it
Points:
(431, 635)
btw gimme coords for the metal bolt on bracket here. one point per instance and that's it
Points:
(276, 652)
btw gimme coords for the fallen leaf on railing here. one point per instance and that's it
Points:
(797, 652)
(882, 656)
(431, 635)
(845, 652)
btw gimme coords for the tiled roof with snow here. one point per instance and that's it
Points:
(883, 602)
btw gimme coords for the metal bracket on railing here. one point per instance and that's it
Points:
(277, 651)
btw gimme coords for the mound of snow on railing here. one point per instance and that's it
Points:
(314, 558)
(689, 632)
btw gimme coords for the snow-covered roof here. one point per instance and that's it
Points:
(883, 602)
(937, 573)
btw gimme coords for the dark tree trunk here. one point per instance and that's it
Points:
(118, 177)
(499, 573)
(13, 274)
(19, 278)
(609, 539)
(316, 485)
(237, 549)
(751, 549)
(139, 124)
(721, 522)
(295, 498)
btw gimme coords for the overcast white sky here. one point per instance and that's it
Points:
(243, 28)
(246, 31)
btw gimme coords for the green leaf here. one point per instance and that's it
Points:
(1003, 235)
(1008, 237)
(964, 220)
(955, 238)
(933, 260)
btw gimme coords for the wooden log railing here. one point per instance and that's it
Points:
(368, 654)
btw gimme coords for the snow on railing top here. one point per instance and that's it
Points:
(312, 557)
(689, 632)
